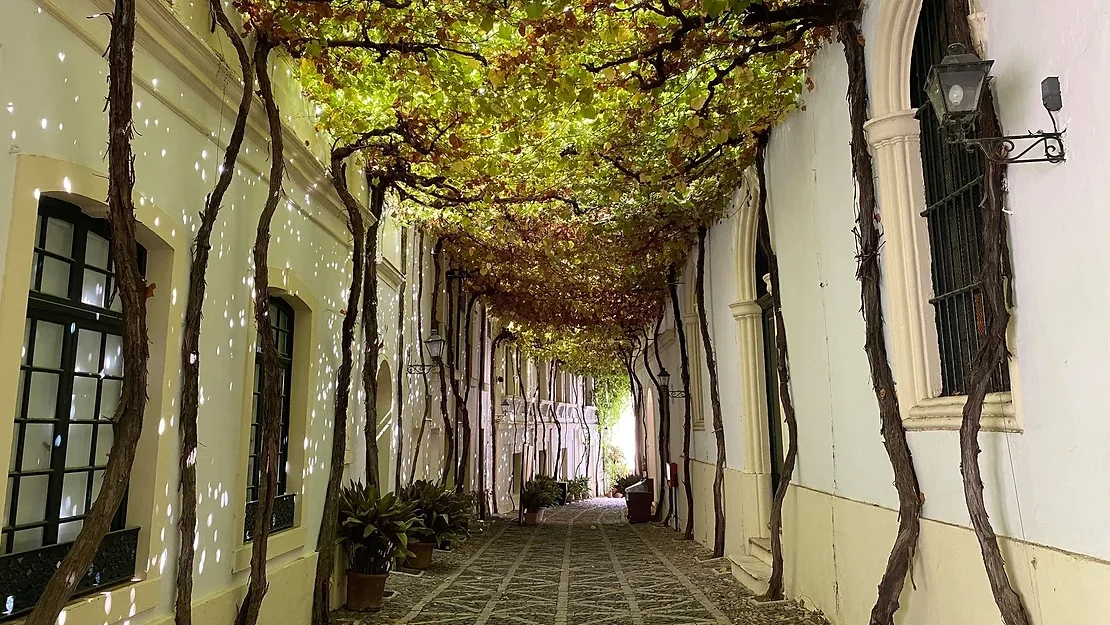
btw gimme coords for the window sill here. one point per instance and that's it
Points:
(278, 544)
(111, 605)
(946, 413)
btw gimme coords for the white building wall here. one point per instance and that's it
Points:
(1043, 484)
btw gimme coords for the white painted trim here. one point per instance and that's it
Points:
(894, 134)
(165, 39)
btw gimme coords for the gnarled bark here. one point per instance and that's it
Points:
(190, 338)
(448, 431)
(687, 422)
(420, 349)
(132, 290)
(462, 474)
(715, 402)
(664, 429)
(371, 347)
(786, 399)
(399, 378)
(869, 274)
(271, 369)
(325, 542)
(993, 352)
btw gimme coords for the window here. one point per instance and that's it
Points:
(281, 318)
(953, 194)
(70, 379)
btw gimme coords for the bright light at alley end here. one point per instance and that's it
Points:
(955, 86)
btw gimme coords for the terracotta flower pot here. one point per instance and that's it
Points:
(422, 556)
(365, 592)
(533, 518)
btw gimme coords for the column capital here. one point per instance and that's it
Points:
(892, 127)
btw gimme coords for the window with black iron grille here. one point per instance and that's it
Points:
(70, 379)
(281, 319)
(953, 197)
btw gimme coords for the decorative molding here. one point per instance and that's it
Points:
(389, 272)
(894, 135)
(162, 36)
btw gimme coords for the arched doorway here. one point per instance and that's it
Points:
(384, 405)
(758, 374)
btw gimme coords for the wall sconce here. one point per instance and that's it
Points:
(665, 383)
(955, 89)
(434, 344)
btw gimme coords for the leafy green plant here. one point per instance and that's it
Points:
(444, 514)
(540, 492)
(374, 528)
(579, 486)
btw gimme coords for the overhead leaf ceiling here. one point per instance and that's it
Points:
(566, 152)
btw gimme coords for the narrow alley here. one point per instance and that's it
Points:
(584, 565)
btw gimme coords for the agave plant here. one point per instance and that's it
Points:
(540, 492)
(444, 514)
(374, 528)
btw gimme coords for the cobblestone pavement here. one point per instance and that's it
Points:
(583, 566)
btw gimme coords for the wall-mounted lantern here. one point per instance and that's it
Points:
(955, 90)
(434, 344)
(665, 383)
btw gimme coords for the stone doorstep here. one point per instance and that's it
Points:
(752, 572)
(760, 548)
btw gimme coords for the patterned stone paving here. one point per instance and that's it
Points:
(583, 566)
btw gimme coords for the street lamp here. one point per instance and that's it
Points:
(955, 89)
(665, 383)
(435, 344)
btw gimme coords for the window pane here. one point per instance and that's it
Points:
(19, 393)
(73, 496)
(109, 398)
(32, 499)
(88, 351)
(94, 288)
(97, 482)
(43, 403)
(27, 540)
(59, 237)
(26, 341)
(96, 251)
(55, 277)
(38, 442)
(105, 434)
(113, 355)
(67, 532)
(79, 445)
(12, 464)
(48, 344)
(84, 398)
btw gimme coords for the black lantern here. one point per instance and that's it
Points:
(955, 90)
(664, 378)
(955, 86)
(435, 344)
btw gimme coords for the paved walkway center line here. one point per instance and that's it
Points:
(718, 615)
(563, 602)
(491, 605)
(629, 594)
(416, 609)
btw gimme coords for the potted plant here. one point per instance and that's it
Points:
(539, 493)
(444, 517)
(374, 531)
(579, 488)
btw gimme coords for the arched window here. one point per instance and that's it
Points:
(281, 319)
(953, 196)
(70, 379)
